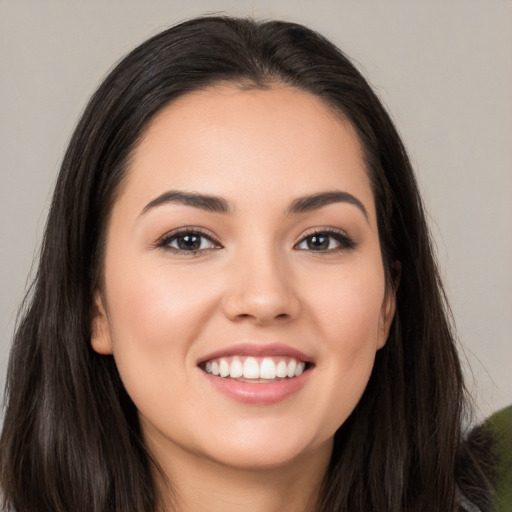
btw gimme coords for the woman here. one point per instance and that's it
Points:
(236, 306)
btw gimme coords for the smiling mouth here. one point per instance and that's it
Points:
(256, 369)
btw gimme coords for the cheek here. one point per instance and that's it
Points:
(154, 314)
(346, 312)
(153, 301)
(348, 305)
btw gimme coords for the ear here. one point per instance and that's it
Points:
(101, 339)
(389, 305)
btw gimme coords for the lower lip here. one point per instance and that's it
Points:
(258, 393)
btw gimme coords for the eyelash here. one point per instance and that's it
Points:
(168, 238)
(345, 243)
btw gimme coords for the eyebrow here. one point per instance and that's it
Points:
(202, 201)
(316, 201)
(220, 205)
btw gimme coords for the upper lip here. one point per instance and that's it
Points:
(257, 350)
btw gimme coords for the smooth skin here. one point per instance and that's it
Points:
(258, 273)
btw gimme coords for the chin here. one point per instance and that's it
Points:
(264, 453)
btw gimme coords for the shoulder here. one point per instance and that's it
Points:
(485, 467)
(499, 427)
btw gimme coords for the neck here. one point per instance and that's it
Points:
(198, 484)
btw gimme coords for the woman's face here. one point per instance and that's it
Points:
(244, 241)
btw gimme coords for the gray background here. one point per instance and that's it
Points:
(443, 68)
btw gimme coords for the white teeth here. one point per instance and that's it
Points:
(237, 369)
(292, 365)
(223, 368)
(281, 369)
(251, 368)
(267, 369)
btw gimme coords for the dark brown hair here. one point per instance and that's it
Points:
(71, 439)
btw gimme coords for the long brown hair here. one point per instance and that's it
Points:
(71, 439)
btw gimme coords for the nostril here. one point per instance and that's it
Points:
(243, 315)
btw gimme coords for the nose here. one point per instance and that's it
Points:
(261, 289)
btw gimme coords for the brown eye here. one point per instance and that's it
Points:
(188, 241)
(326, 241)
(318, 242)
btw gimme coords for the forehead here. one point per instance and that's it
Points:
(225, 141)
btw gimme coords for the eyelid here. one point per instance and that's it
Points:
(164, 240)
(342, 237)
